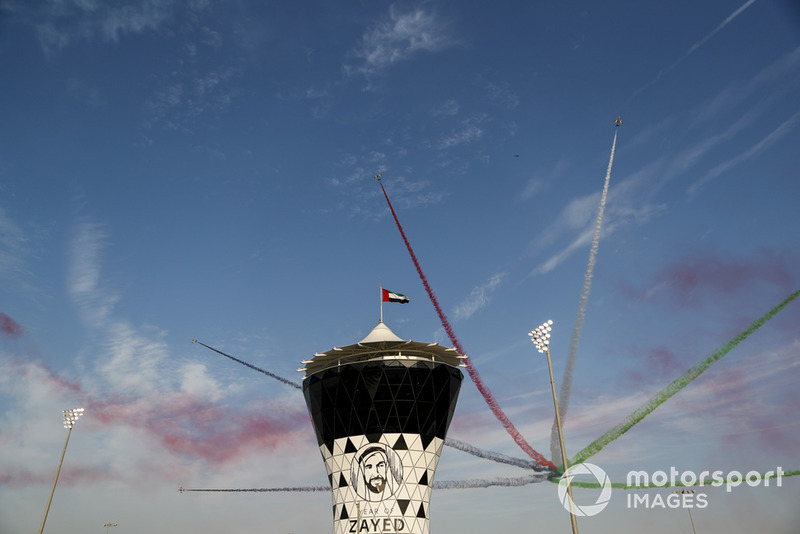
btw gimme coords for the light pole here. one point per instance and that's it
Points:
(70, 417)
(109, 525)
(541, 339)
(684, 491)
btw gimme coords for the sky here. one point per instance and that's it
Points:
(177, 169)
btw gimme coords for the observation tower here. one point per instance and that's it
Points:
(381, 409)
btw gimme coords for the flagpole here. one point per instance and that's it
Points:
(381, 299)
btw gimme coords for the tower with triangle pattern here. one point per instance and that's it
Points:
(381, 409)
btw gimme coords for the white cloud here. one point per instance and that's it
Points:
(60, 23)
(478, 297)
(94, 302)
(501, 94)
(197, 382)
(449, 107)
(133, 19)
(533, 188)
(581, 241)
(399, 36)
(467, 134)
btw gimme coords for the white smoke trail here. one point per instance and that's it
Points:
(566, 381)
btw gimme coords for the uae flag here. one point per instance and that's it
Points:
(389, 296)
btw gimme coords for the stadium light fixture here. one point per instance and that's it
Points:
(540, 336)
(71, 416)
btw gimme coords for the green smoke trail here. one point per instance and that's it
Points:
(678, 384)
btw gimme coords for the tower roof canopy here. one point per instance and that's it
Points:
(380, 333)
(382, 344)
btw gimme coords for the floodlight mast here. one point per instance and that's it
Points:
(540, 336)
(689, 491)
(70, 418)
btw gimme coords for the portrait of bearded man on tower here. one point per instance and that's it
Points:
(376, 472)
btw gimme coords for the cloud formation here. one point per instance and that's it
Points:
(478, 297)
(398, 36)
(59, 24)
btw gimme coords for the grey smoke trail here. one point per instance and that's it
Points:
(443, 485)
(303, 489)
(494, 456)
(566, 381)
(460, 445)
(251, 366)
(490, 482)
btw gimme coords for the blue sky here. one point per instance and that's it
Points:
(179, 169)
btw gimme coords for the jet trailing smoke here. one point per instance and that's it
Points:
(251, 366)
(589, 451)
(473, 373)
(566, 381)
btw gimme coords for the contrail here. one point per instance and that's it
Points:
(566, 381)
(271, 375)
(721, 25)
(473, 373)
(695, 46)
(460, 445)
(678, 384)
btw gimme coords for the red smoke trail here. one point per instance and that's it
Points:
(9, 326)
(460, 445)
(473, 373)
